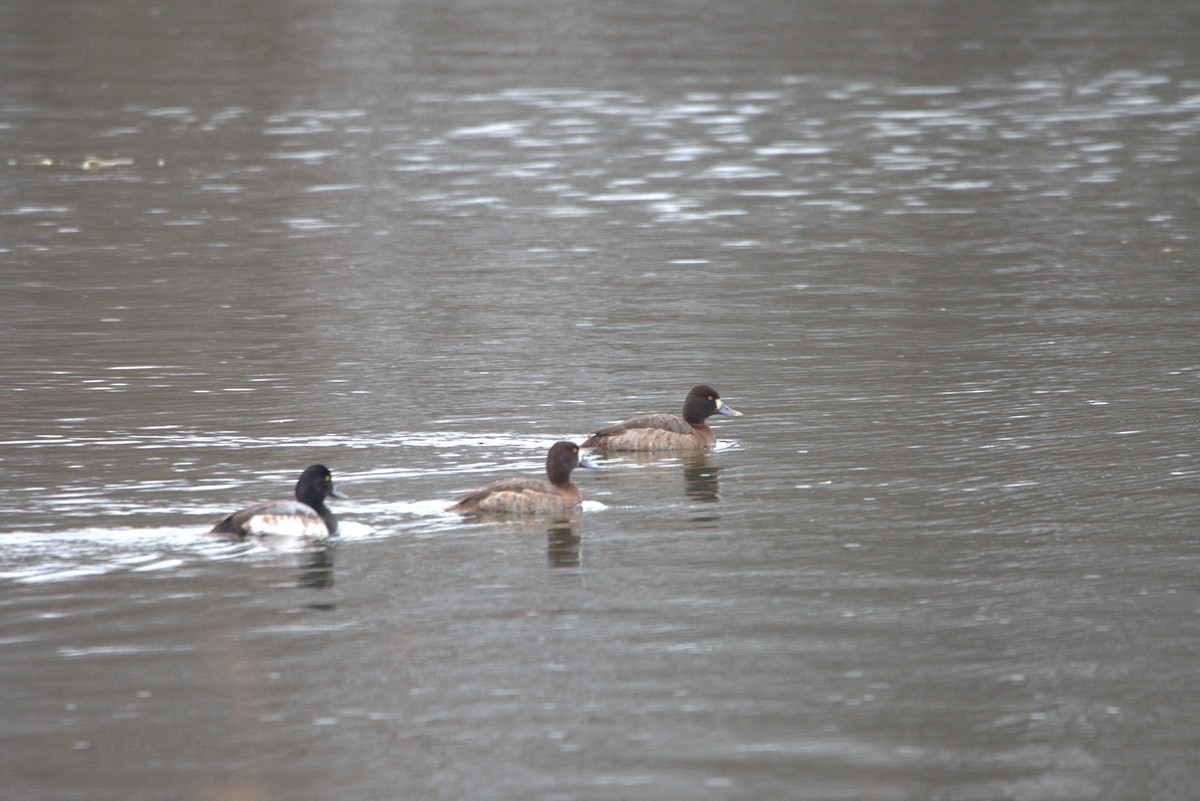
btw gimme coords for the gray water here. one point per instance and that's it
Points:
(942, 255)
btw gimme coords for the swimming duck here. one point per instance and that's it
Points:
(667, 432)
(306, 517)
(529, 495)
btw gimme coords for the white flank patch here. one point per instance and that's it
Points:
(311, 528)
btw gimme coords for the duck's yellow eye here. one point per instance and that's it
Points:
(710, 397)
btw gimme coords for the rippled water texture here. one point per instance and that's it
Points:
(942, 256)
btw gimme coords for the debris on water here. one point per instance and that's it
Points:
(92, 163)
(89, 163)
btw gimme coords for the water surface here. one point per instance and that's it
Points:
(942, 257)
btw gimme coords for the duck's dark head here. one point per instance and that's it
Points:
(315, 485)
(561, 460)
(703, 402)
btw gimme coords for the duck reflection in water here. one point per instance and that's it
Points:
(564, 545)
(316, 567)
(701, 478)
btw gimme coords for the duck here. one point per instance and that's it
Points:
(307, 517)
(531, 495)
(667, 432)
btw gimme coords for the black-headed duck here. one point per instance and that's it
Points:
(667, 432)
(306, 517)
(531, 495)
